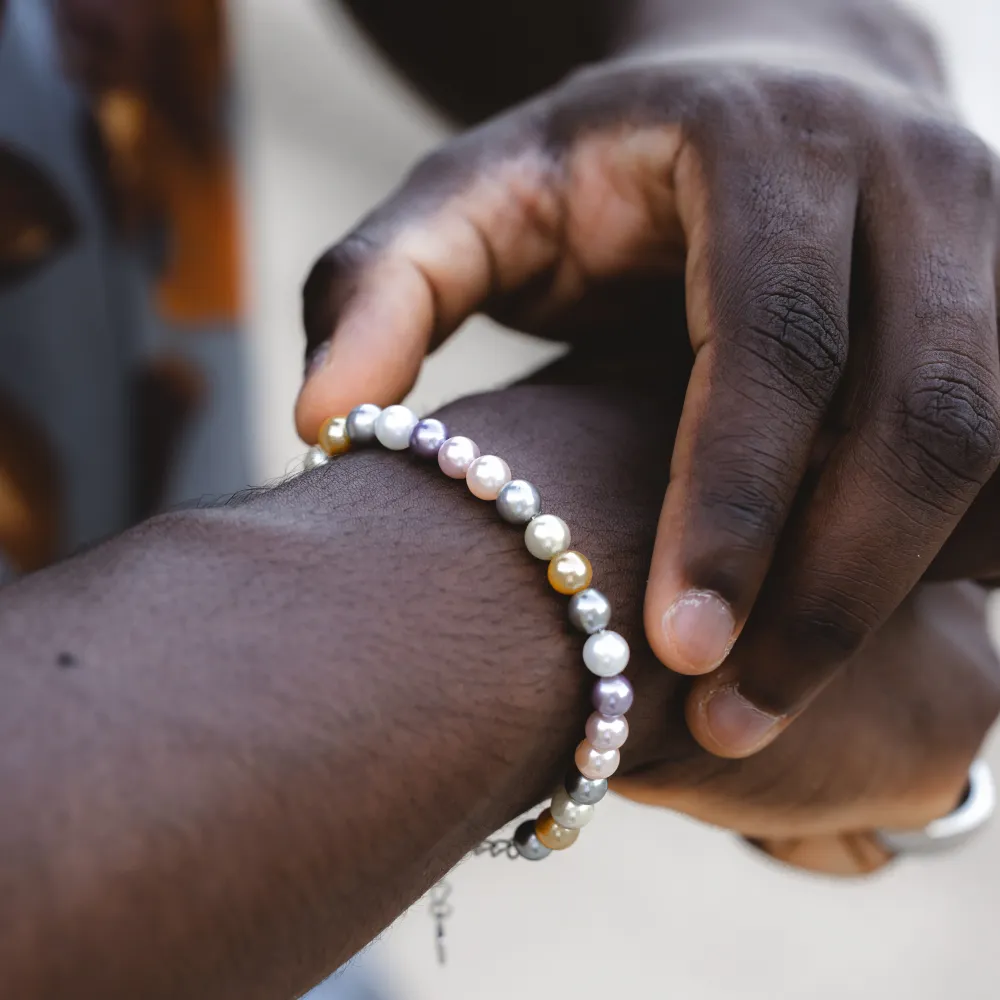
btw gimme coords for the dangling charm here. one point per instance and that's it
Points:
(441, 910)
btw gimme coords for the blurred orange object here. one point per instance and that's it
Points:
(156, 71)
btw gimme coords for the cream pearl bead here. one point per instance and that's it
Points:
(393, 427)
(593, 763)
(487, 476)
(568, 813)
(605, 653)
(547, 536)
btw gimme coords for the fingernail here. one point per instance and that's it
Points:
(316, 360)
(699, 627)
(738, 727)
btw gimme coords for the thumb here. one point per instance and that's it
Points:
(453, 237)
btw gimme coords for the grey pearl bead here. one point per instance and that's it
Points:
(361, 423)
(584, 791)
(518, 502)
(589, 611)
(315, 457)
(427, 438)
(527, 843)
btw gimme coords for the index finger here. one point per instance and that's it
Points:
(454, 236)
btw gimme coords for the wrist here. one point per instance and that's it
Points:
(851, 35)
(453, 598)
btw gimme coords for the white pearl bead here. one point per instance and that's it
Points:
(547, 536)
(314, 458)
(487, 476)
(606, 654)
(394, 426)
(568, 813)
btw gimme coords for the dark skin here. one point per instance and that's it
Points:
(238, 742)
(204, 676)
(800, 167)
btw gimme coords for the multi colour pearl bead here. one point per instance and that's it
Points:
(570, 572)
(333, 438)
(594, 763)
(586, 791)
(314, 458)
(394, 426)
(612, 696)
(546, 536)
(527, 843)
(606, 732)
(518, 502)
(456, 455)
(487, 476)
(568, 813)
(606, 654)
(361, 424)
(589, 611)
(427, 438)
(553, 835)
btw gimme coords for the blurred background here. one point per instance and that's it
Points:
(652, 905)
(320, 128)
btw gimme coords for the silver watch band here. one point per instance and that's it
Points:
(972, 814)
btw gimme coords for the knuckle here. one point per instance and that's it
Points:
(948, 149)
(332, 280)
(347, 256)
(811, 114)
(443, 164)
(742, 502)
(797, 331)
(746, 508)
(949, 420)
(810, 97)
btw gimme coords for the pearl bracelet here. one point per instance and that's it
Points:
(547, 537)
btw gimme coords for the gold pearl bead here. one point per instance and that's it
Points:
(553, 835)
(333, 437)
(570, 572)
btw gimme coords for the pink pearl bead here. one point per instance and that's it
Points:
(456, 455)
(606, 732)
(487, 476)
(596, 764)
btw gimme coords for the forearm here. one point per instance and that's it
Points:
(474, 62)
(238, 742)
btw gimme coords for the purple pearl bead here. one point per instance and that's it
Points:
(427, 438)
(612, 695)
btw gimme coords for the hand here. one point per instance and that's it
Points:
(888, 743)
(837, 230)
